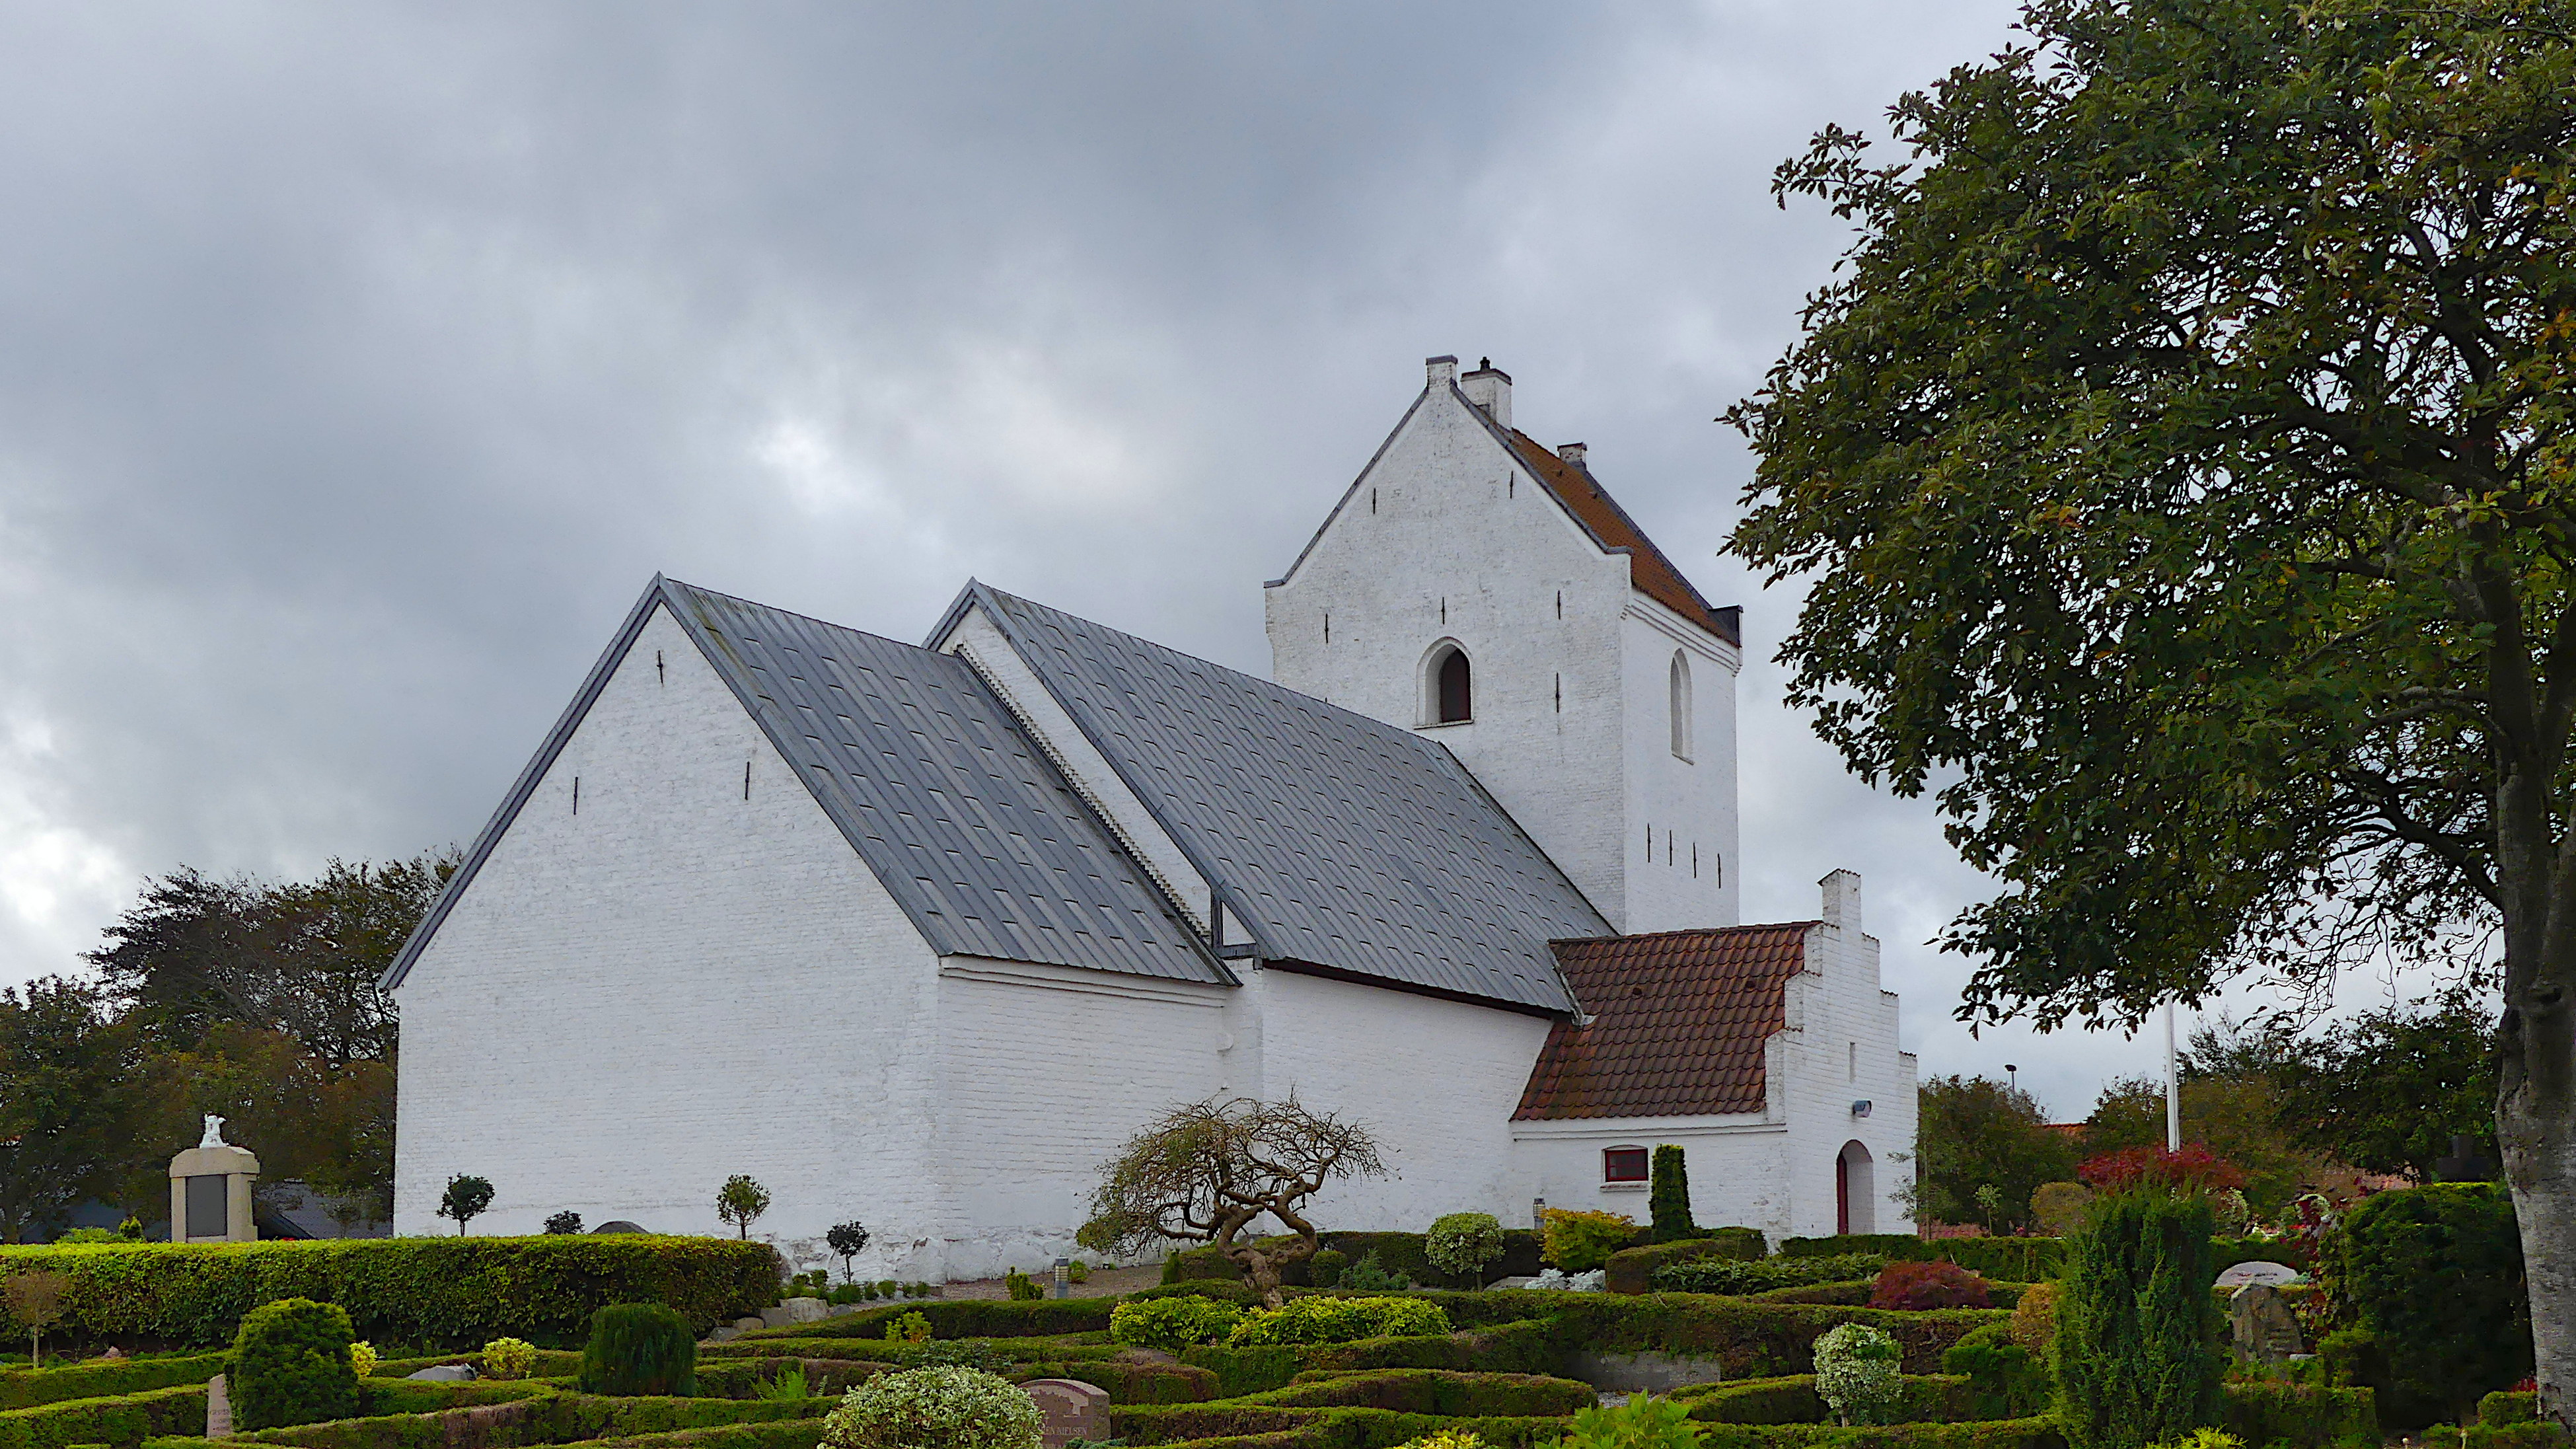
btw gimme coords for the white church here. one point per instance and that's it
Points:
(919, 934)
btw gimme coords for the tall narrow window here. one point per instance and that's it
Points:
(1457, 692)
(1681, 706)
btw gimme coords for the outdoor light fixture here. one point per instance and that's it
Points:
(1861, 1107)
(1063, 1278)
(1538, 1214)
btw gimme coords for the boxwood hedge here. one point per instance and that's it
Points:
(26, 1388)
(461, 1291)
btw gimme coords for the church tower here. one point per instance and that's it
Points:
(1484, 591)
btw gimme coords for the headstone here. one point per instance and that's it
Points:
(444, 1373)
(748, 1323)
(210, 1190)
(219, 1409)
(795, 1310)
(619, 1226)
(1069, 1409)
(2272, 1275)
(721, 1333)
(2266, 1331)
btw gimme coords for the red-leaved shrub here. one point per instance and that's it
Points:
(1928, 1285)
(2193, 1168)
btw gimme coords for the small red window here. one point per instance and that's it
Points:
(1623, 1164)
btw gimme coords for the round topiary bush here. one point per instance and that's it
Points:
(1461, 1244)
(934, 1408)
(509, 1358)
(1919, 1286)
(1859, 1374)
(639, 1348)
(291, 1365)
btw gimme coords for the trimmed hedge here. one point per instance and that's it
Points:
(742, 1378)
(116, 1419)
(1396, 1253)
(1525, 1347)
(1432, 1391)
(547, 1417)
(1792, 1399)
(2030, 1260)
(1894, 1247)
(957, 1318)
(1219, 1426)
(552, 1363)
(462, 1291)
(2301, 1415)
(26, 1388)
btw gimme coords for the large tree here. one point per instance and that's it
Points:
(2387, 1090)
(1975, 1133)
(2180, 462)
(69, 1089)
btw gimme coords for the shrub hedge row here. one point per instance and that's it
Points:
(1792, 1399)
(115, 1419)
(1431, 1391)
(1525, 1347)
(405, 1290)
(2029, 1260)
(957, 1318)
(1396, 1253)
(781, 1434)
(1749, 1339)
(547, 1417)
(1219, 1426)
(26, 1388)
(2303, 1416)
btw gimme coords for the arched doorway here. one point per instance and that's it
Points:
(1855, 1191)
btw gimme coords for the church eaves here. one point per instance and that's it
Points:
(970, 828)
(1349, 848)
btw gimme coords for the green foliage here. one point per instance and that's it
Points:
(1462, 1244)
(2434, 1276)
(1644, 1422)
(740, 1202)
(290, 1365)
(639, 1348)
(2265, 1414)
(2387, 1090)
(119, 1419)
(563, 1222)
(1172, 1324)
(1368, 1275)
(1859, 1374)
(2137, 1350)
(509, 1358)
(464, 1199)
(1725, 1275)
(2006, 1260)
(1399, 1253)
(2059, 1207)
(1433, 1391)
(26, 1388)
(67, 1097)
(1579, 1241)
(1021, 1288)
(2234, 1117)
(1668, 1200)
(363, 1359)
(786, 1385)
(1325, 1268)
(907, 1328)
(2006, 1378)
(1338, 1320)
(934, 1408)
(405, 1290)
(1974, 1133)
(1889, 1247)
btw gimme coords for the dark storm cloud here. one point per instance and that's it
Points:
(358, 366)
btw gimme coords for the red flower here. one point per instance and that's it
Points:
(2194, 1168)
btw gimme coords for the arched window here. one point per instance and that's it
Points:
(1681, 706)
(1448, 686)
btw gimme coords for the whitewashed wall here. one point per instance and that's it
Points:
(677, 984)
(1681, 866)
(1738, 1167)
(1841, 1048)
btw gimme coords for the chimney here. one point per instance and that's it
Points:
(1490, 388)
(1443, 371)
(1571, 454)
(1842, 900)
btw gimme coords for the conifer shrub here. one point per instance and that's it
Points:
(2137, 1354)
(1668, 1199)
(2434, 1276)
(639, 1348)
(934, 1408)
(291, 1365)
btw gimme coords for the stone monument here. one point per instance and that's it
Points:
(2265, 1329)
(1068, 1409)
(210, 1190)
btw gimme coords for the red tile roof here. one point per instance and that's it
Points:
(1652, 573)
(1678, 1021)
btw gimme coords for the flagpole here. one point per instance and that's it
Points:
(2173, 1088)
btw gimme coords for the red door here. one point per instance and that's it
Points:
(1842, 1193)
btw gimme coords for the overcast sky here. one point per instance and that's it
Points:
(359, 366)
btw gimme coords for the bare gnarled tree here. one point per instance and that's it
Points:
(1207, 1171)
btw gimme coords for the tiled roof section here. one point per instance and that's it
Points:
(1344, 843)
(1649, 569)
(968, 824)
(1679, 1019)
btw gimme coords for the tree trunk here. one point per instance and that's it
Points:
(2536, 1127)
(1264, 1275)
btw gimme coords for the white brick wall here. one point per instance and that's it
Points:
(1447, 538)
(675, 985)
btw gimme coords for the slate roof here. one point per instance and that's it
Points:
(1678, 1023)
(1348, 847)
(1594, 508)
(969, 826)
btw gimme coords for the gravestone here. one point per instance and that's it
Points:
(219, 1409)
(2237, 1275)
(2266, 1331)
(1069, 1409)
(210, 1190)
(445, 1373)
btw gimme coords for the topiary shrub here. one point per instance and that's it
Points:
(1726, 1275)
(1326, 1267)
(1579, 1241)
(509, 1358)
(2434, 1276)
(1668, 1200)
(1919, 1286)
(2034, 1320)
(1172, 1324)
(362, 1359)
(934, 1408)
(639, 1348)
(291, 1365)
(1461, 1244)
(1860, 1374)
(1338, 1320)
(2137, 1354)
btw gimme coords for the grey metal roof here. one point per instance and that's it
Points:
(1346, 844)
(969, 826)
